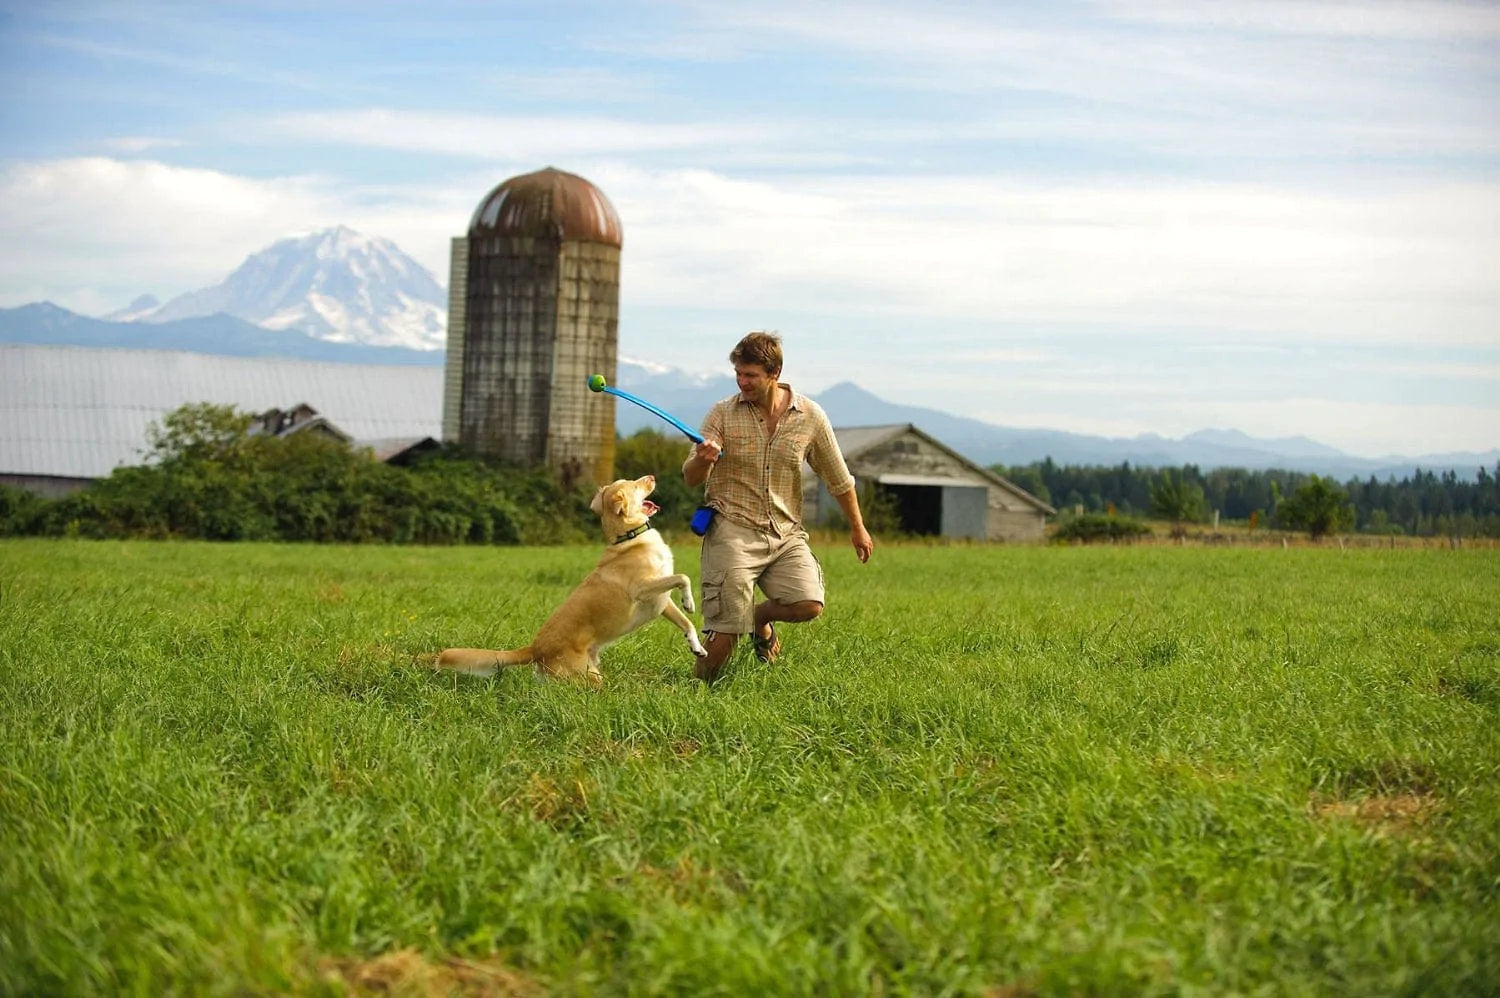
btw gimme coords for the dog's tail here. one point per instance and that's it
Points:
(482, 661)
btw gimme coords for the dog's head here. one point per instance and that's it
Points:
(623, 505)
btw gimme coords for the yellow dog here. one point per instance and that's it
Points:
(630, 586)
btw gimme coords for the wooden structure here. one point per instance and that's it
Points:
(533, 311)
(300, 418)
(936, 491)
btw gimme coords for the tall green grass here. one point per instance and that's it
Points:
(984, 770)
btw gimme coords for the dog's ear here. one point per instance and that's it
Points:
(621, 502)
(597, 504)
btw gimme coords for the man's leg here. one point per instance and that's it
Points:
(773, 611)
(793, 584)
(719, 647)
(767, 641)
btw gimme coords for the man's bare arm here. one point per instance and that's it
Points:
(863, 543)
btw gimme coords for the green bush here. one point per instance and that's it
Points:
(1092, 527)
(209, 480)
(647, 452)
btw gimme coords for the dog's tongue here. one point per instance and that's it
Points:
(650, 507)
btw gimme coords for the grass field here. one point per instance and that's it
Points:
(996, 771)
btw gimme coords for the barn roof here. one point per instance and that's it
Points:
(80, 412)
(856, 440)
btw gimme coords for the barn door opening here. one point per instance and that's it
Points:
(919, 507)
(930, 506)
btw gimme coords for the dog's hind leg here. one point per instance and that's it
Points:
(572, 663)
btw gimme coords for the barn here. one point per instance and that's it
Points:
(935, 490)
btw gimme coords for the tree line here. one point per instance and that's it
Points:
(1423, 503)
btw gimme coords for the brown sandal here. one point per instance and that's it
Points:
(766, 649)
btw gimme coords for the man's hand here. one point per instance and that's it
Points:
(864, 544)
(708, 450)
(700, 462)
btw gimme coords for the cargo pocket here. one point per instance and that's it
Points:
(713, 598)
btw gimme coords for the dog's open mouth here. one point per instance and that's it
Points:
(649, 508)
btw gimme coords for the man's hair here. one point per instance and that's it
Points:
(759, 347)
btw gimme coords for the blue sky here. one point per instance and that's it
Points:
(1277, 216)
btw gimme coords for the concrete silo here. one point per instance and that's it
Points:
(533, 310)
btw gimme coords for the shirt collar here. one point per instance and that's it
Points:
(795, 403)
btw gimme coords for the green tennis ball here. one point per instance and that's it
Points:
(596, 382)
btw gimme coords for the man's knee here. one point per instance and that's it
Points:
(808, 609)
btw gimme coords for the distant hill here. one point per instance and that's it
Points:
(47, 324)
(689, 396)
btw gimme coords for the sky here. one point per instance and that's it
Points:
(1116, 218)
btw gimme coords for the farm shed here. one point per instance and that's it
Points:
(69, 415)
(936, 490)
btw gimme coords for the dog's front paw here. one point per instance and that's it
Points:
(688, 605)
(696, 646)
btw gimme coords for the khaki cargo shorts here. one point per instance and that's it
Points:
(736, 558)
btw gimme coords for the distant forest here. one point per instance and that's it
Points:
(1422, 504)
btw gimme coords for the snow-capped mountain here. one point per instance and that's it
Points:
(335, 285)
(142, 306)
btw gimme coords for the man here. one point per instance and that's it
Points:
(751, 459)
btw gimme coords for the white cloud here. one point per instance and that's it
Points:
(1382, 19)
(1412, 264)
(505, 137)
(92, 233)
(1409, 264)
(140, 143)
(1256, 80)
(1435, 371)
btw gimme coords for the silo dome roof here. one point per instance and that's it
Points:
(548, 202)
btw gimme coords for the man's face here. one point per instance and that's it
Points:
(754, 381)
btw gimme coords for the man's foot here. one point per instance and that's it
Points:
(710, 665)
(768, 647)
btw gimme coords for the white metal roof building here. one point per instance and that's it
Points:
(935, 489)
(72, 414)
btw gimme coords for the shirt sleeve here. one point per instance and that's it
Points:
(713, 424)
(825, 458)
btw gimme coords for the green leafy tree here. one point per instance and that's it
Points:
(647, 452)
(199, 431)
(1319, 506)
(1178, 500)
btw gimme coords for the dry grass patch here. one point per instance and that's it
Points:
(1385, 814)
(408, 972)
(554, 803)
(688, 881)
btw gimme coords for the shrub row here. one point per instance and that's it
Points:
(1092, 527)
(208, 479)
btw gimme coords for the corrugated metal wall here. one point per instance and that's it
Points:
(82, 411)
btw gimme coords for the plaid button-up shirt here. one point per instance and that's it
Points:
(757, 481)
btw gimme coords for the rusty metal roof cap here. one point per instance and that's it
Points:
(549, 202)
